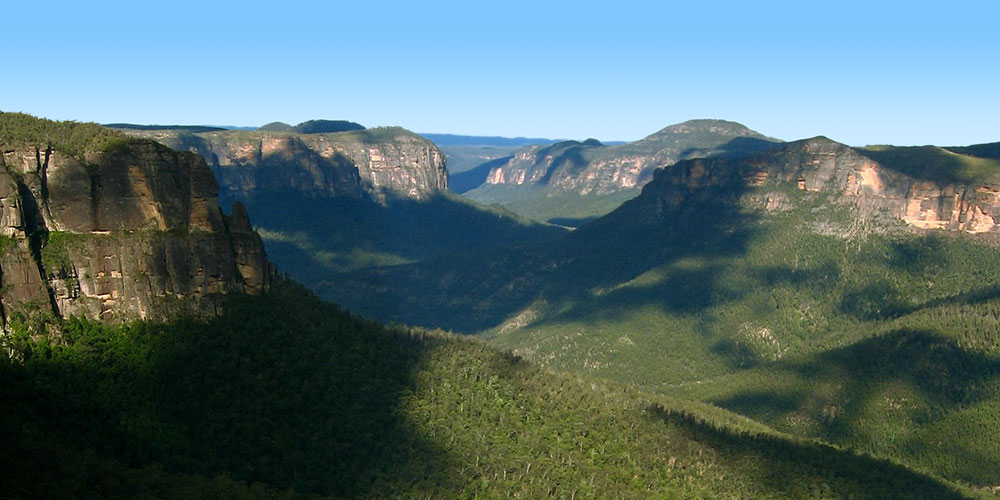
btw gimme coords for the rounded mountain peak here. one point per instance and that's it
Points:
(703, 128)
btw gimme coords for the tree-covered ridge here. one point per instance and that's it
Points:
(75, 139)
(287, 396)
(727, 290)
(945, 165)
(313, 127)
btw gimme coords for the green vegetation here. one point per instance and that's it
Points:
(275, 127)
(326, 126)
(316, 239)
(720, 302)
(465, 158)
(70, 138)
(313, 127)
(991, 150)
(465, 181)
(543, 203)
(286, 396)
(56, 249)
(381, 134)
(913, 394)
(936, 164)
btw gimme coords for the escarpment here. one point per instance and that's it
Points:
(376, 162)
(846, 176)
(133, 231)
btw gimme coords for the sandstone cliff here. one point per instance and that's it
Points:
(377, 162)
(133, 231)
(590, 167)
(931, 198)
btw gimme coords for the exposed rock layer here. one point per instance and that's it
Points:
(851, 177)
(132, 232)
(375, 162)
(590, 167)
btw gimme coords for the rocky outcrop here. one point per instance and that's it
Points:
(379, 162)
(590, 167)
(846, 175)
(132, 232)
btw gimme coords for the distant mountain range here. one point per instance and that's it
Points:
(583, 180)
(846, 294)
(329, 202)
(478, 140)
(764, 319)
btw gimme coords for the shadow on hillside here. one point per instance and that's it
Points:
(482, 290)
(866, 378)
(316, 239)
(573, 222)
(463, 182)
(932, 163)
(881, 298)
(735, 148)
(570, 158)
(283, 389)
(819, 470)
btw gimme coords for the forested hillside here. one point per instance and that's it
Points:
(287, 396)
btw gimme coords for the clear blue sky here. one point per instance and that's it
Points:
(859, 72)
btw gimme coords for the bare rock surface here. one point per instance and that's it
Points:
(131, 232)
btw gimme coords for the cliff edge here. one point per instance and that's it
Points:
(98, 225)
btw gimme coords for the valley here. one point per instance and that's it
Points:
(750, 319)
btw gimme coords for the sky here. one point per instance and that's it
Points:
(906, 73)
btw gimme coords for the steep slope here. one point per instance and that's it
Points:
(378, 162)
(733, 273)
(582, 174)
(98, 225)
(334, 202)
(712, 206)
(287, 396)
(990, 150)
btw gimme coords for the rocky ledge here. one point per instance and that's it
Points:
(377, 162)
(849, 176)
(133, 231)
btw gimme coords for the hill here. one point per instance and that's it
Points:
(317, 239)
(287, 396)
(581, 180)
(313, 127)
(732, 274)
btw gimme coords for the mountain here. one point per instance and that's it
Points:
(95, 224)
(313, 127)
(379, 162)
(757, 283)
(285, 396)
(272, 392)
(572, 179)
(335, 202)
(470, 157)
(859, 197)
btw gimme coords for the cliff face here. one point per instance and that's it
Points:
(377, 162)
(133, 232)
(848, 175)
(590, 167)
